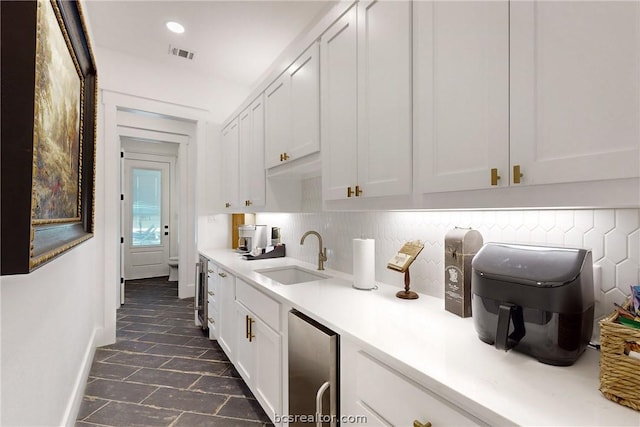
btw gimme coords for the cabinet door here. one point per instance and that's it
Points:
(226, 313)
(277, 120)
(268, 367)
(252, 176)
(338, 49)
(575, 91)
(461, 77)
(305, 104)
(384, 98)
(229, 179)
(246, 352)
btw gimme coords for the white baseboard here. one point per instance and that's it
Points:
(77, 393)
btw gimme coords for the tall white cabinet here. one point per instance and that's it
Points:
(366, 102)
(575, 90)
(230, 173)
(251, 155)
(461, 90)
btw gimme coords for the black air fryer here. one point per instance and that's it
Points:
(533, 299)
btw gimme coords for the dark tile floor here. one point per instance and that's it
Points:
(163, 371)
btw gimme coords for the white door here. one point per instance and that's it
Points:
(277, 121)
(339, 74)
(384, 98)
(461, 76)
(146, 218)
(230, 165)
(252, 178)
(305, 104)
(575, 90)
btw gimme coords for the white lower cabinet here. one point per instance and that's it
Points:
(259, 346)
(226, 315)
(212, 301)
(381, 396)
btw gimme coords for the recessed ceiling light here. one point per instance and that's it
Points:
(175, 27)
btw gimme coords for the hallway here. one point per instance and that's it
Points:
(163, 371)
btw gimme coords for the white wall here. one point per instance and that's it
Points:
(612, 234)
(48, 326)
(127, 74)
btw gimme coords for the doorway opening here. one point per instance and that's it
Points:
(149, 209)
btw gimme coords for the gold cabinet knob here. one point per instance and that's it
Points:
(517, 174)
(417, 423)
(494, 176)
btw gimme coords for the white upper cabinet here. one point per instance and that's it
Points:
(461, 81)
(277, 125)
(339, 101)
(304, 77)
(251, 140)
(366, 102)
(575, 90)
(230, 165)
(292, 105)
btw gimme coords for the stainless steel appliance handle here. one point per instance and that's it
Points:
(198, 303)
(319, 396)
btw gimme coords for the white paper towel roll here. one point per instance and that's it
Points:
(364, 263)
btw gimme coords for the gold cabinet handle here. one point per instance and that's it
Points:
(211, 293)
(246, 326)
(358, 191)
(517, 174)
(227, 205)
(350, 192)
(285, 156)
(248, 203)
(222, 275)
(417, 423)
(251, 322)
(494, 176)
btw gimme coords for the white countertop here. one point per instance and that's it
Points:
(442, 351)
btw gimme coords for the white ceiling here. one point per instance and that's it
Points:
(233, 40)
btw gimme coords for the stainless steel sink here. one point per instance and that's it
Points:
(291, 275)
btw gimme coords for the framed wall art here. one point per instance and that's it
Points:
(49, 94)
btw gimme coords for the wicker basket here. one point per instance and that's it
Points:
(619, 373)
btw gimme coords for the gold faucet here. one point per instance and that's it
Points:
(322, 256)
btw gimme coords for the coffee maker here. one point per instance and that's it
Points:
(252, 238)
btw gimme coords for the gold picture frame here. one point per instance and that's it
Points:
(49, 93)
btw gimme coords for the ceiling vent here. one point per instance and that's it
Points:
(181, 53)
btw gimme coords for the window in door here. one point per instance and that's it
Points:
(146, 212)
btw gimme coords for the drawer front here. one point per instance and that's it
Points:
(398, 401)
(212, 296)
(261, 305)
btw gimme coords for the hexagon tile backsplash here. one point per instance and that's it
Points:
(612, 234)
